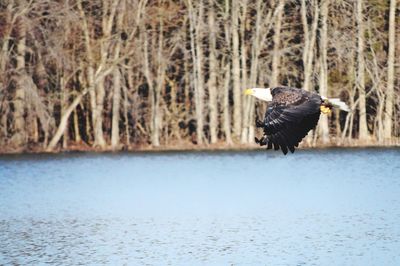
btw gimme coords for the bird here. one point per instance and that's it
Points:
(291, 113)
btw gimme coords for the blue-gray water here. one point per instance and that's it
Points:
(317, 207)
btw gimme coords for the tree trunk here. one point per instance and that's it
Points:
(196, 34)
(107, 24)
(98, 125)
(155, 139)
(6, 39)
(212, 82)
(4, 57)
(276, 56)
(77, 133)
(237, 95)
(388, 118)
(115, 138)
(126, 118)
(64, 120)
(363, 128)
(3, 123)
(248, 112)
(19, 137)
(90, 76)
(226, 109)
(244, 44)
(309, 42)
(199, 93)
(156, 114)
(227, 77)
(64, 104)
(246, 101)
(116, 109)
(323, 77)
(310, 34)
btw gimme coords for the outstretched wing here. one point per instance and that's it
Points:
(291, 115)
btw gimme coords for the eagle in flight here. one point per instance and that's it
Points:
(290, 115)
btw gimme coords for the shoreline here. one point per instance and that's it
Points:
(73, 148)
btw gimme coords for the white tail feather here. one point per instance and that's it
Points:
(336, 102)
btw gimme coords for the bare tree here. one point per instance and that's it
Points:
(138, 72)
(227, 79)
(90, 72)
(388, 118)
(237, 95)
(323, 74)
(276, 56)
(310, 34)
(212, 82)
(19, 137)
(116, 107)
(117, 78)
(64, 120)
(360, 81)
(9, 20)
(153, 92)
(248, 112)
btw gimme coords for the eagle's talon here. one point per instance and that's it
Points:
(259, 123)
(262, 141)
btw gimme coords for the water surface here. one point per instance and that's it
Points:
(316, 207)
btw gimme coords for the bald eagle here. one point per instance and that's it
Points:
(290, 115)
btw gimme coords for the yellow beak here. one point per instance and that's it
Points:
(248, 92)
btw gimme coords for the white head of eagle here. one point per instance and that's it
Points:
(263, 94)
(290, 115)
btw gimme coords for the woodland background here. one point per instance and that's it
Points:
(128, 74)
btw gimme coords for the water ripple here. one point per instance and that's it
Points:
(315, 208)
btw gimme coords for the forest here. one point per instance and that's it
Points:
(134, 74)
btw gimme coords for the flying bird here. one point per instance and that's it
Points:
(290, 115)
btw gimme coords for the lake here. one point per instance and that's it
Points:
(313, 207)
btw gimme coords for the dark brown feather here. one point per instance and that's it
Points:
(289, 117)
